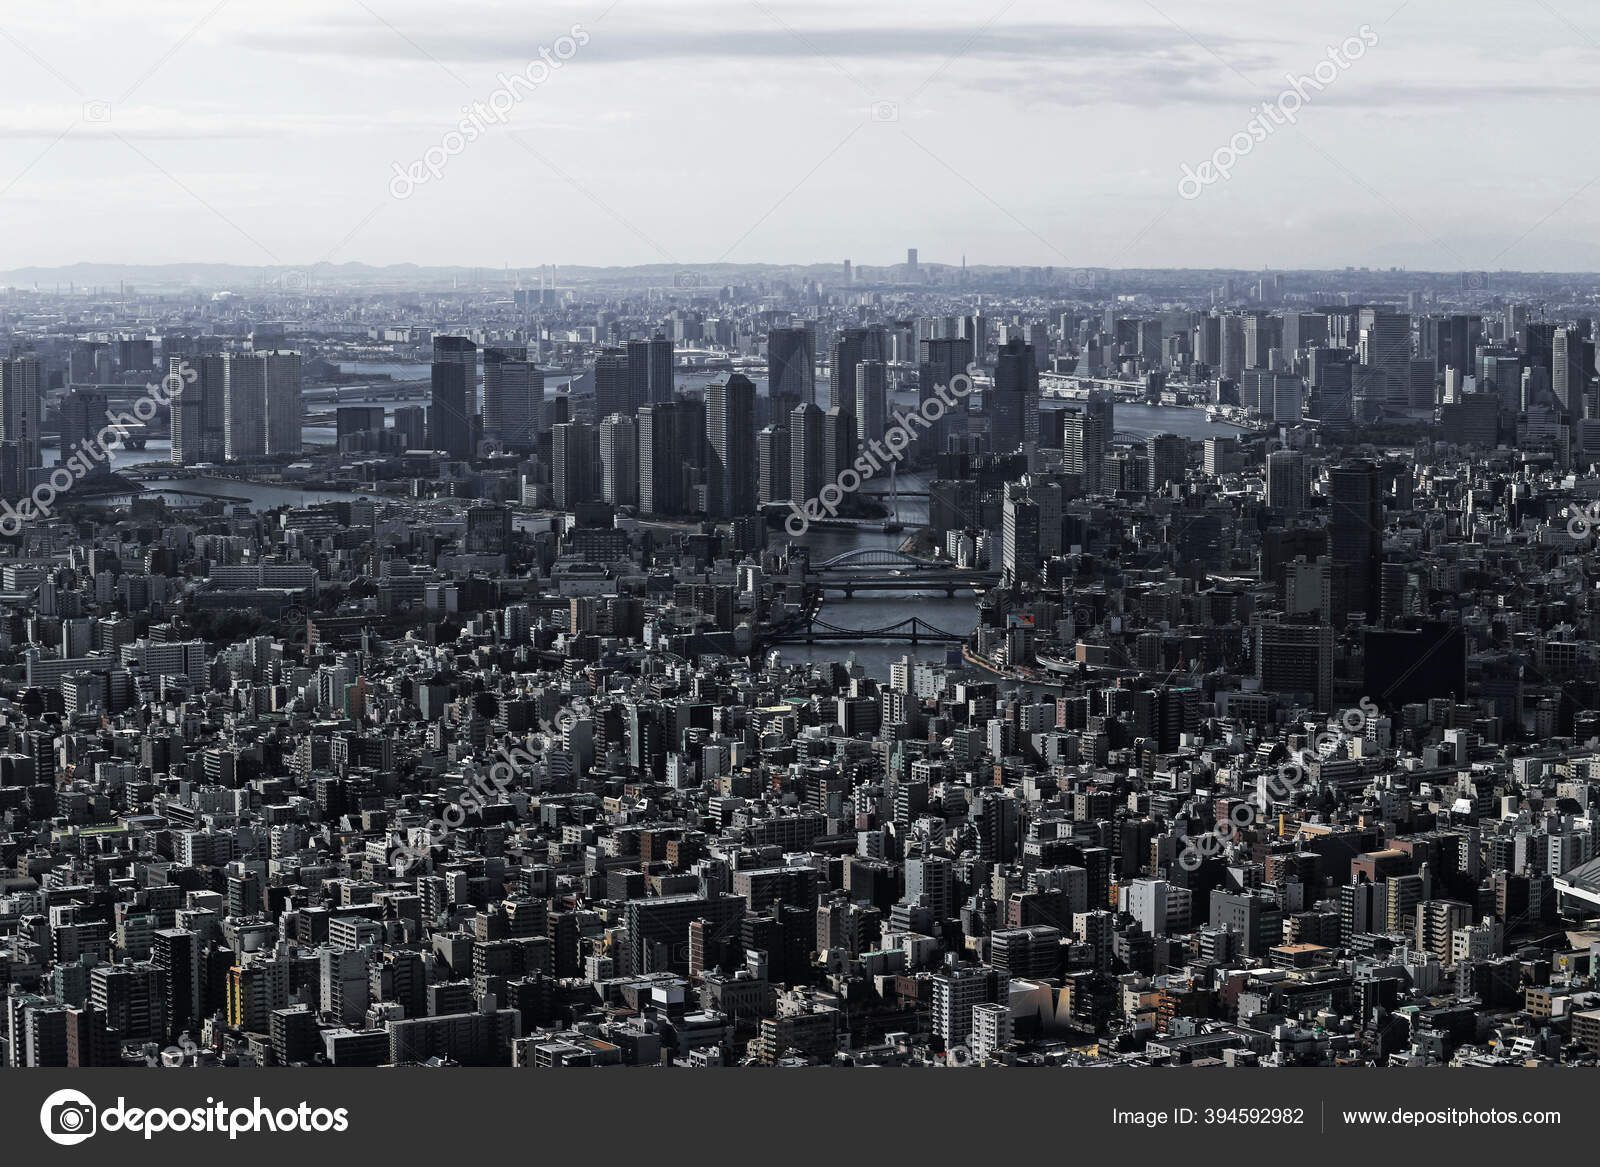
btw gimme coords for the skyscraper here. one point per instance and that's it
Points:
(83, 416)
(1231, 355)
(187, 426)
(650, 369)
(1538, 345)
(20, 386)
(872, 400)
(1332, 384)
(838, 442)
(1014, 416)
(494, 357)
(411, 423)
(619, 461)
(1084, 441)
(939, 361)
(449, 427)
(730, 435)
(211, 375)
(1458, 338)
(1262, 334)
(458, 350)
(672, 444)
(1286, 482)
(199, 408)
(1169, 460)
(1355, 529)
(1386, 348)
(1208, 343)
(574, 475)
(1295, 657)
(843, 356)
(519, 388)
(791, 368)
(773, 449)
(807, 457)
(975, 331)
(656, 452)
(1571, 366)
(282, 387)
(177, 952)
(1020, 551)
(613, 392)
(244, 407)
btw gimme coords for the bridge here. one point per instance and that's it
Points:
(193, 498)
(356, 394)
(877, 557)
(140, 489)
(949, 582)
(915, 629)
(853, 571)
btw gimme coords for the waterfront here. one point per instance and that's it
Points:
(867, 610)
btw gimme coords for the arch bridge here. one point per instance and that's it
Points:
(878, 557)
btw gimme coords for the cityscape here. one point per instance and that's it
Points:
(913, 664)
(1102, 573)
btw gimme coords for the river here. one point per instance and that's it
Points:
(865, 610)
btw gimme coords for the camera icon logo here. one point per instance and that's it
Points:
(97, 111)
(885, 111)
(68, 1117)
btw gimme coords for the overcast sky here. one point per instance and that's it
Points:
(688, 131)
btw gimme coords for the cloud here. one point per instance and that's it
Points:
(625, 42)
